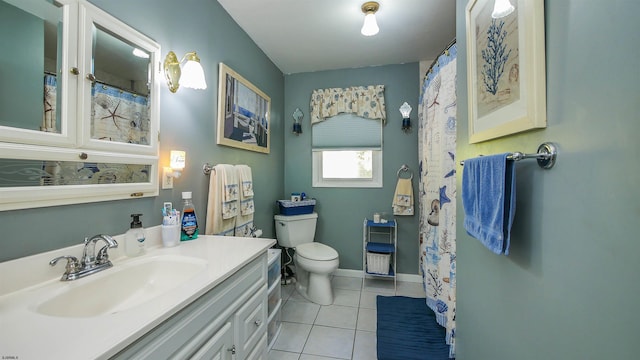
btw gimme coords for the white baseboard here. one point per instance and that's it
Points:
(358, 274)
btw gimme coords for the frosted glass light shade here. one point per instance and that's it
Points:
(370, 26)
(405, 110)
(502, 8)
(193, 75)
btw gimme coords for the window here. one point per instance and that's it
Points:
(347, 152)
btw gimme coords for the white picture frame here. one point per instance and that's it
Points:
(506, 69)
(244, 113)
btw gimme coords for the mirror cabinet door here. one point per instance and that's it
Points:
(36, 82)
(119, 98)
(79, 112)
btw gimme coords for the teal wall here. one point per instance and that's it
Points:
(569, 289)
(342, 210)
(187, 123)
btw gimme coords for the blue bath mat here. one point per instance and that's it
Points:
(407, 330)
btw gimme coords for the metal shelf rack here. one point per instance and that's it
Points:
(379, 249)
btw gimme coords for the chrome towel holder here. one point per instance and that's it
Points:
(207, 168)
(546, 155)
(405, 168)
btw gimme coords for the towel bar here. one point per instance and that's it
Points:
(546, 155)
(206, 168)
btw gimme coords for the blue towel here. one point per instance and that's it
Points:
(489, 200)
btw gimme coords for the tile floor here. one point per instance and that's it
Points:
(344, 330)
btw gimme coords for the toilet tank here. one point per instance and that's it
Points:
(295, 230)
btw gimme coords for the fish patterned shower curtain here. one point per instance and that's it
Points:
(437, 190)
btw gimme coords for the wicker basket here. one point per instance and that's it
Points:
(378, 263)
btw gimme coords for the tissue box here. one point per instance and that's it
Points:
(288, 207)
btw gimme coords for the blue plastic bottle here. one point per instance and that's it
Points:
(189, 225)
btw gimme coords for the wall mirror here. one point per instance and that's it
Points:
(79, 105)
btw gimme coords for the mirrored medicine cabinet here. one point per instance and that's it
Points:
(79, 106)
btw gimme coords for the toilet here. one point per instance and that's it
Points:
(314, 261)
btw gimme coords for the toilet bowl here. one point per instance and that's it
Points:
(314, 261)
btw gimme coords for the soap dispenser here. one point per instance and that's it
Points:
(134, 237)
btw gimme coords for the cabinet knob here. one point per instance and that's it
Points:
(91, 77)
(74, 71)
(83, 156)
(258, 322)
(232, 350)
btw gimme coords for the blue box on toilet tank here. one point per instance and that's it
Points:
(288, 207)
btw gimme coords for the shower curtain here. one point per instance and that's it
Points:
(437, 190)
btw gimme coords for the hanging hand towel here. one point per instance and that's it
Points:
(489, 200)
(216, 224)
(230, 201)
(230, 181)
(403, 198)
(246, 180)
(244, 219)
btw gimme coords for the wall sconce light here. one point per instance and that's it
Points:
(297, 118)
(190, 76)
(405, 110)
(370, 26)
(501, 8)
(174, 170)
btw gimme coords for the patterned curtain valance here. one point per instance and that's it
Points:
(364, 101)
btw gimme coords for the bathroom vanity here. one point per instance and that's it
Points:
(206, 298)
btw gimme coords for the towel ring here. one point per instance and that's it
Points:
(405, 168)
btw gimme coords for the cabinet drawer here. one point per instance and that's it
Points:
(251, 322)
(273, 327)
(274, 266)
(274, 297)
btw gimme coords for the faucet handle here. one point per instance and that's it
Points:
(103, 255)
(72, 263)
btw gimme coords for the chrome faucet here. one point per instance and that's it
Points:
(91, 262)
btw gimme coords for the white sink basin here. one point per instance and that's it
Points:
(121, 287)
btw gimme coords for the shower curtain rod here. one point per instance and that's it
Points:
(546, 155)
(445, 50)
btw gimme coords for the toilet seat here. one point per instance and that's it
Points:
(316, 251)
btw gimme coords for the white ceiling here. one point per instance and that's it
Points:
(313, 35)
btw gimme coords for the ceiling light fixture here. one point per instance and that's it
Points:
(502, 8)
(370, 26)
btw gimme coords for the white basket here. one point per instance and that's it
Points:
(378, 263)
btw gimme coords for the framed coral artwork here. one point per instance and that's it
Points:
(505, 69)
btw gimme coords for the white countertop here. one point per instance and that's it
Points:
(27, 282)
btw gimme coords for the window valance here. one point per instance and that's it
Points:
(363, 101)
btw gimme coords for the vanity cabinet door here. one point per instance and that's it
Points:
(219, 346)
(251, 322)
(259, 351)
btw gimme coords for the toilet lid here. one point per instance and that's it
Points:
(316, 251)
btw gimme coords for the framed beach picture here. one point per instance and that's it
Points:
(243, 113)
(505, 69)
